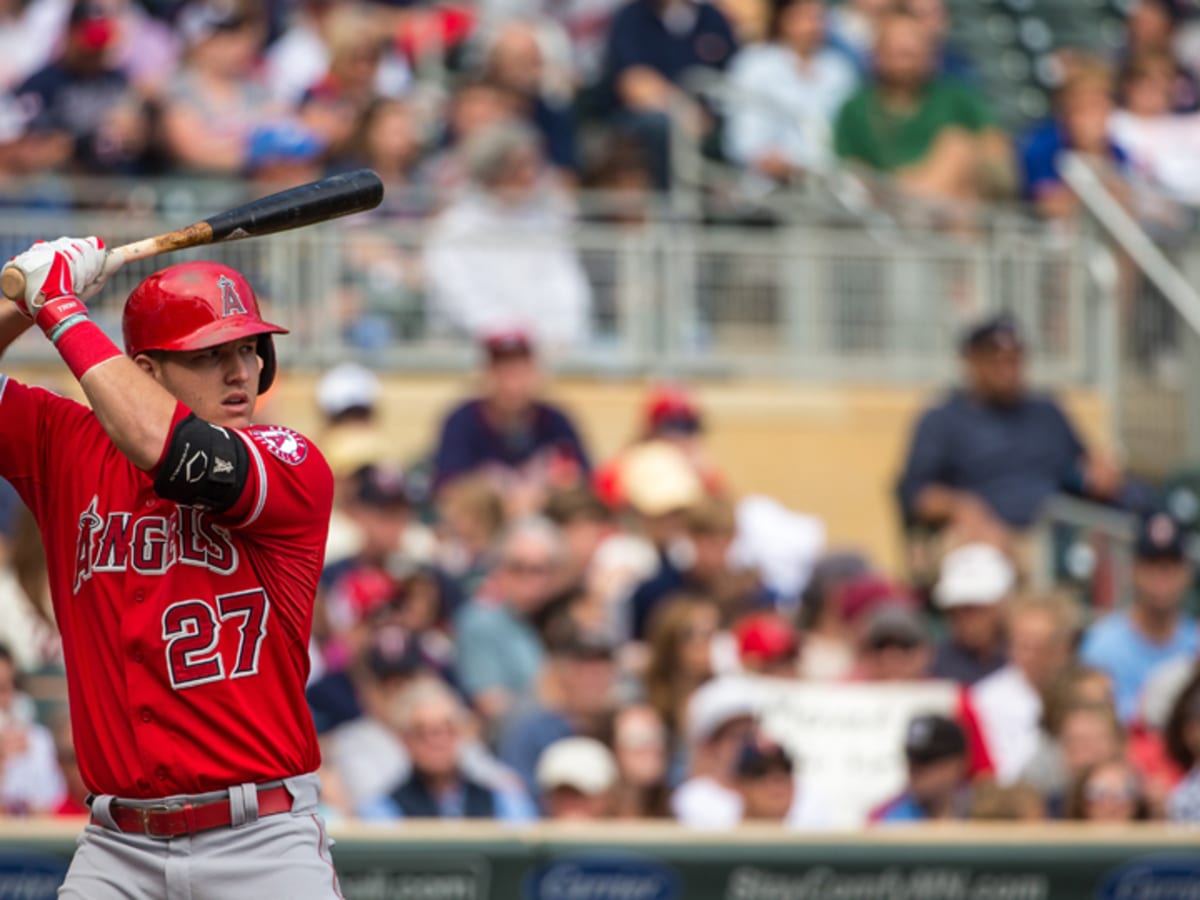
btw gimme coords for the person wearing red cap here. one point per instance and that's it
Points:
(524, 444)
(828, 650)
(85, 114)
(768, 644)
(669, 414)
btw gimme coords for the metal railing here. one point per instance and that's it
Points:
(1142, 269)
(1087, 545)
(663, 297)
(1136, 269)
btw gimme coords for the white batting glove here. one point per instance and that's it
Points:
(67, 267)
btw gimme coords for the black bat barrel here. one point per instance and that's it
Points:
(307, 204)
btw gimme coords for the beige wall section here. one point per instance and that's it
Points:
(830, 451)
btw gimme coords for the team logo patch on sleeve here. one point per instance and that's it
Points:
(282, 443)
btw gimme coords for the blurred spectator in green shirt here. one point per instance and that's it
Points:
(934, 135)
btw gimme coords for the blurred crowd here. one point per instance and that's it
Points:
(509, 628)
(501, 127)
(508, 106)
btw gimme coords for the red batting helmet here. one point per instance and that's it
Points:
(194, 305)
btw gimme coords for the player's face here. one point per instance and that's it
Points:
(219, 384)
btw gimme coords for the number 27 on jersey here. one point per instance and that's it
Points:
(192, 631)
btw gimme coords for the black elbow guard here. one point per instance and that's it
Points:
(205, 466)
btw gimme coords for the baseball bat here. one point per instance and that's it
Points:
(307, 204)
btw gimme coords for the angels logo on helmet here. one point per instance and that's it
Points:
(282, 443)
(231, 301)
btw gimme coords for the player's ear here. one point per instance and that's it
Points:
(149, 365)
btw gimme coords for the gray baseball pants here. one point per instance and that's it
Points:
(284, 855)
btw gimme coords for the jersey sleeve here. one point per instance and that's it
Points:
(289, 487)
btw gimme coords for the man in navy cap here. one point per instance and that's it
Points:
(522, 443)
(985, 459)
(935, 748)
(1131, 642)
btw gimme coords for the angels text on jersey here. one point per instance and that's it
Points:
(150, 544)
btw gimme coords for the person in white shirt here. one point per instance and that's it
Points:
(500, 257)
(720, 717)
(1042, 632)
(30, 780)
(786, 94)
(29, 34)
(1162, 145)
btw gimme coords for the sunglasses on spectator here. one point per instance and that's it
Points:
(1099, 792)
(525, 567)
(233, 24)
(677, 425)
(763, 768)
(367, 55)
(893, 642)
(427, 730)
(641, 739)
(698, 633)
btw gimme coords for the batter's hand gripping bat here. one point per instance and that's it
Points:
(307, 204)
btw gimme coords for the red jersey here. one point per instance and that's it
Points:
(185, 633)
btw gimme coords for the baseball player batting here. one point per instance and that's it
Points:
(184, 545)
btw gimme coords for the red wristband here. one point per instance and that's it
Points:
(79, 341)
(85, 346)
(59, 314)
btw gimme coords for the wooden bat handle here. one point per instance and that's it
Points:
(306, 204)
(12, 283)
(12, 280)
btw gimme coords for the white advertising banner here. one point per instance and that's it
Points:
(847, 738)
